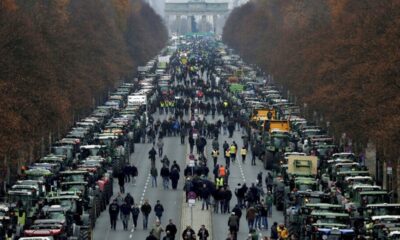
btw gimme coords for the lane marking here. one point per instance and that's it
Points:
(241, 171)
(145, 189)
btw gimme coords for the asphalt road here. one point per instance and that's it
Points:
(170, 199)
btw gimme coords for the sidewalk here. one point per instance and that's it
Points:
(193, 215)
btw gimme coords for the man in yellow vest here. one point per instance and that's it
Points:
(243, 153)
(219, 182)
(233, 150)
(214, 155)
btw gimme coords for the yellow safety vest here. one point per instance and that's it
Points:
(162, 104)
(243, 151)
(225, 104)
(219, 182)
(227, 153)
(215, 153)
(233, 149)
(22, 218)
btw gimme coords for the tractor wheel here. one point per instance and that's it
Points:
(85, 234)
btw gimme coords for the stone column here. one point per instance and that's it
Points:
(215, 18)
(178, 24)
(203, 23)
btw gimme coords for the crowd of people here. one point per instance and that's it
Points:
(198, 95)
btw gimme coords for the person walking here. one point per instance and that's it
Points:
(264, 215)
(125, 212)
(227, 157)
(174, 176)
(191, 143)
(165, 174)
(113, 210)
(157, 230)
(129, 200)
(203, 233)
(158, 210)
(233, 224)
(145, 209)
(232, 150)
(274, 231)
(205, 196)
(154, 174)
(135, 215)
(121, 182)
(160, 146)
(243, 153)
(134, 173)
(268, 201)
(182, 134)
(269, 182)
(171, 228)
(251, 216)
(189, 233)
(214, 155)
(152, 156)
(227, 198)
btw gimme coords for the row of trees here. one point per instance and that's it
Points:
(60, 58)
(340, 57)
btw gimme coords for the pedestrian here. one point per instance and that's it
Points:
(174, 176)
(154, 174)
(120, 201)
(268, 201)
(125, 212)
(165, 174)
(203, 233)
(127, 173)
(214, 155)
(205, 196)
(274, 231)
(129, 200)
(269, 182)
(227, 158)
(171, 228)
(191, 143)
(145, 209)
(264, 215)
(113, 210)
(227, 198)
(160, 146)
(134, 173)
(243, 153)
(157, 230)
(176, 166)
(182, 134)
(158, 210)
(121, 182)
(188, 233)
(251, 214)
(152, 156)
(135, 214)
(259, 179)
(233, 224)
